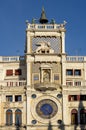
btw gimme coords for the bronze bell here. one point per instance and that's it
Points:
(43, 18)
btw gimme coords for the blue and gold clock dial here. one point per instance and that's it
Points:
(46, 108)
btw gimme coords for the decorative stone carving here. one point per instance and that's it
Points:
(46, 75)
(44, 47)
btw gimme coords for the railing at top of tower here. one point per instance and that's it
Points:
(46, 26)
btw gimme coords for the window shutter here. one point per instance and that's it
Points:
(18, 72)
(9, 72)
(69, 98)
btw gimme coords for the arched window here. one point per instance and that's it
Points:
(83, 116)
(9, 118)
(74, 116)
(18, 117)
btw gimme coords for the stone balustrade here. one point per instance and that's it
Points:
(13, 83)
(11, 58)
(45, 26)
(76, 58)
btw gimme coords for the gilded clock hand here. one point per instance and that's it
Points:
(46, 109)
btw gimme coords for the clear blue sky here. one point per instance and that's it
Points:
(14, 13)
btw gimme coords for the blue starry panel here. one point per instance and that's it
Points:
(55, 43)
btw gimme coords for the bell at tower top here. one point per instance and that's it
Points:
(43, 18)
(43, 24)
(45, 36)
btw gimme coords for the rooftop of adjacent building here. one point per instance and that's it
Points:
(21, 58)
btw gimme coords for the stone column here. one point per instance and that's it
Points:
(13, 117)
(13, 98)
(51, 75)
(28, 111)
(63, 42)
(42, 75)
(28, 74)
(5, 116)
(63, 60)
(28, 43)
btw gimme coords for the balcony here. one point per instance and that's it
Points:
(13, 83)
(46, 86)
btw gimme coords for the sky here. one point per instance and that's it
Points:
(14, 13)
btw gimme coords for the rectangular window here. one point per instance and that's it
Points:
(77, 72)
(11, 83)
(69, 72)
(16, 84)
(9, 72)
(77, 83)
(72, 98)
(9, 98)
(18, 98)
(83, 97)
(56, 77)
(36, 77)
(18, 72)
(69, 83)
(77, 98)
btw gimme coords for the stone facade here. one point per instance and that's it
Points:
(44, 89)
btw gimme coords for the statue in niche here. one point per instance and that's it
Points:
(46, 75)
(44, 47)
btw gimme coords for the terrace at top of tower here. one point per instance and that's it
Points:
(44, 24)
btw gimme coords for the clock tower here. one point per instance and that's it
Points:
(45, 56)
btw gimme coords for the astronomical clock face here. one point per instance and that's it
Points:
(46, 108)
